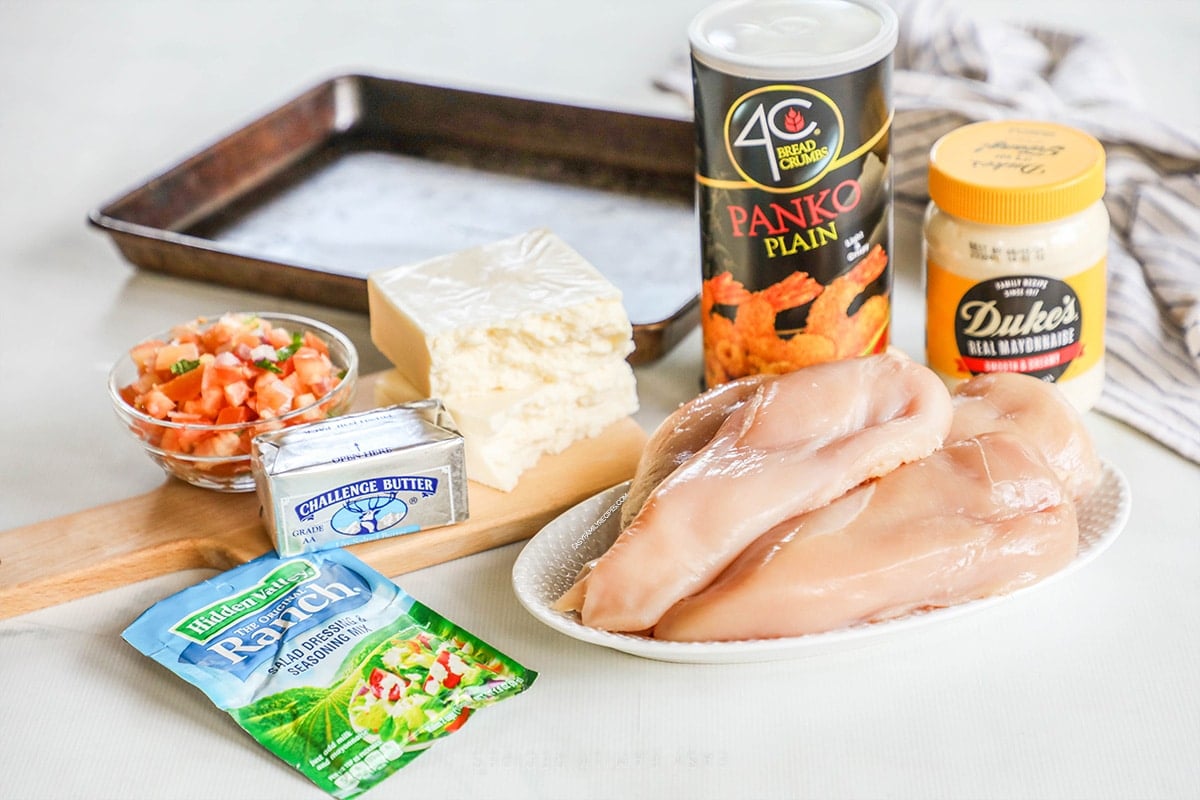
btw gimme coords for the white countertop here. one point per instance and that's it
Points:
(1087, 687)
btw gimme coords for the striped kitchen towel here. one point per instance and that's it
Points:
(951, 69)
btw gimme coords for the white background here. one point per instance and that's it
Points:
(1087, 688)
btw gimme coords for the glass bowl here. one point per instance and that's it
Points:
(217, 456)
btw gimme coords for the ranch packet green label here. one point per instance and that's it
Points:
(327, 663)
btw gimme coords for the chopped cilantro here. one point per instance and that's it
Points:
(281, 355)
(267, 364)
(287, 352)
(184, 365)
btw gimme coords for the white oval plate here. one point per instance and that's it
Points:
(549, 562)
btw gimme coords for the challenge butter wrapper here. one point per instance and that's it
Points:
(360, 477)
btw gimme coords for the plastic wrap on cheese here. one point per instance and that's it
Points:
(355, 478)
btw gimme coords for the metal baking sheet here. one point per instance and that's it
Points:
(361, 173)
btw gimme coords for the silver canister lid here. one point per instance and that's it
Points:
(793, 39)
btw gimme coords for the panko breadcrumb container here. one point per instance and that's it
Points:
(360, 477)
(793, 116)
(1016, 243)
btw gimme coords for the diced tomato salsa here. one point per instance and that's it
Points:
(240, 369)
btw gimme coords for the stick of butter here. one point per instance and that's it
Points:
(361, 477)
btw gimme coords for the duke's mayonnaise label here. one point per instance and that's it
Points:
(1031, 323)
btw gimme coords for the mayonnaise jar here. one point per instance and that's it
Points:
(1016, 242)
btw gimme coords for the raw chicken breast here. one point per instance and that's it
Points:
(682, 435)
(800, 441)
(978, 518)
(1038, 412)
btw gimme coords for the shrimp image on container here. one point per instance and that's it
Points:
(751, 343)
(852, 334)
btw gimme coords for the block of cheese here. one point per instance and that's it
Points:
(522, 340)
(506, 431)
(507, 315)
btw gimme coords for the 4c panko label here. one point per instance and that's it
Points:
(795, 220)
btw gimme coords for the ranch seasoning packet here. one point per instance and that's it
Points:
(327, 663)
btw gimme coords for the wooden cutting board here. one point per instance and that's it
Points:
(177, 526)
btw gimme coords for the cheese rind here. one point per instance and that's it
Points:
(508, 315)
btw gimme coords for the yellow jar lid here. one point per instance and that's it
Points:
(1015, 172)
